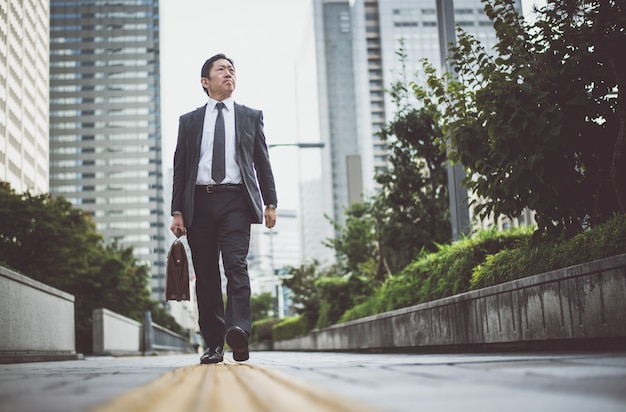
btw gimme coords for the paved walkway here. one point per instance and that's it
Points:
(303, 382)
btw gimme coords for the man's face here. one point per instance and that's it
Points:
(221, 80)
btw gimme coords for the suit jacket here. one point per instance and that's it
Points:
(252, 156)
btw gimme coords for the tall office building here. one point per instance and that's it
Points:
(24, 95)
(316, 171)
(336, 59)
(105, 143)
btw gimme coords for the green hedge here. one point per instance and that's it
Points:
(262, 329)
(534, 257)
(338, 294)
(436, 275)
(290, 328)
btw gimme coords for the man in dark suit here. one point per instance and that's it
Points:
(220, 156)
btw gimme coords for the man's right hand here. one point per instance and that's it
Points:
(178, 225)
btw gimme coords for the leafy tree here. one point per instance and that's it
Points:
(540, 125)
(47, 239)
(387, 231)
(261, 305)
(355, 240)
(301, 281)
(337, 294)
(412, 207)
(410, 211)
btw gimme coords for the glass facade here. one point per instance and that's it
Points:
(342, 129)
(105, 142)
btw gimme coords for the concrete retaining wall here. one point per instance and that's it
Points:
(36, 320)
(117, 335)
(114, 334)
(580, 304)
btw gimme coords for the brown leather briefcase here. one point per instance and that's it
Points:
(177, 274)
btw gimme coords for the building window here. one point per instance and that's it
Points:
(344, 23)
(405, 24)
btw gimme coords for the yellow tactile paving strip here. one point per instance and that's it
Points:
(228, 386)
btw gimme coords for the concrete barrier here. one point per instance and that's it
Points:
(574, 307)
(36, 320)
(117, 335)
(114, 334)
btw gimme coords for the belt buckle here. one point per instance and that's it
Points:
(209, 188)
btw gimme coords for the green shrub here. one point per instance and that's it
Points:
(262, 329)
(290, 328)
(371, 306)
(301, 282)
(436, 275)
(539, 256)
(338, 294)
(261, 305)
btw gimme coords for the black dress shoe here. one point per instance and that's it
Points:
(237, 339)
(212, 355)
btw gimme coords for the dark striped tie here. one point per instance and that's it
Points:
(218, 171)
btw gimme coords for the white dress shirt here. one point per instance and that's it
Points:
(233, 175)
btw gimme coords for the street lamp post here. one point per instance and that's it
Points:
(280, 299)
(459, 210)
(280, 302)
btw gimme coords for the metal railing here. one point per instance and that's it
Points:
(156, 338)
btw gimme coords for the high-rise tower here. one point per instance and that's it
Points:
(105, 143)
(24, 95)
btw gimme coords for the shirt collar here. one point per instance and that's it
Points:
(229, 103)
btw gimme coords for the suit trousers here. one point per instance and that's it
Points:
(221, 225)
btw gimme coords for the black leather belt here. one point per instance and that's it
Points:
(228, 187)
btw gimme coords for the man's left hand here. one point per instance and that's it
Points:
(270, 217)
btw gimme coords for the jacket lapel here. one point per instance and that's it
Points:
(197, 126)
(238, 125)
